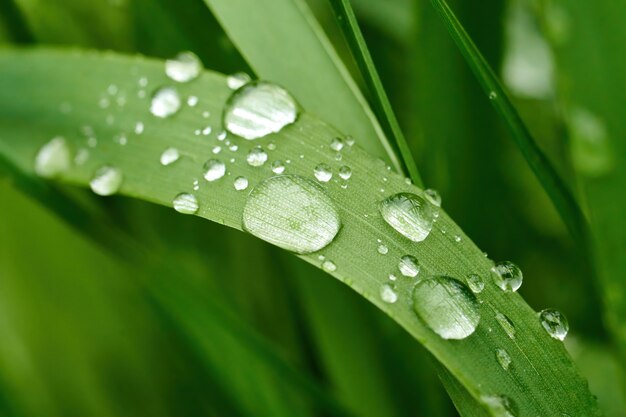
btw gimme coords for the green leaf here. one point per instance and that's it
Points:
(61, 91)
(284, 55)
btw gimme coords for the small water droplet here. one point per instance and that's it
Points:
(457, 238)
(196, 185)
(214, 169)
(258, 109)
(329, 266)
(81, 156)
(291, 212)
(169, 156)
(143, 82)
(139, 127)
(241, 183)
(500, 405)
(323, 172)
(278, 167)
(53, 158)
(165, 102)
(506, 324)
(388, 294)
(345, 172)
(185, 67)
(383, 249)
(476, 283)
(408, 214)
(507, 276)
(237, 80)
(336, 144)
(106, 181)
(216, 149)
(112, 89)
(493, 95)
(433, 196)
(192, 101)
(256, 157)
(222, 135)
(185, 203)
(349, 140)
(207, 131)
(503, 358)
(121, 139)
(447, 306)
(409, 266)
(206, 114)
(271, 146)
(554, 323)
(392, 277)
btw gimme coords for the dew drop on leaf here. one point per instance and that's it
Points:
(507, 276)
(503, 358)
(323, 172)
(506, 324)
(240, 183)
(475, 282)
(433, 196)
(185, 203)
(185, 67)
(214, 169)
(53, 158)
(165, 102)
(408, 214)
(409, 266)
(237, 80)
(278, 167)
(500, 405)
(106, 180)
(555, 323)
(329, 266)
(258, 109)
(256, 157)
(291, 212)
(447, 306)
(383, 249)
(169, 156)
(336, 144)
(345, 172)
(388, 294)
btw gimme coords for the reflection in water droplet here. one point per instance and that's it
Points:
(214, 169)
(388, 294)
(408, 214)
(291, 212)
(475, 282)
(241, 183)
(507, 276)
(554, 323)
(447, 306)
(503, 358)
(106, 181)
(237, 80)
(258, 109)
(323, 172)
(169, 156)
(53, 158)
(185, 67)
(506, 324)
(256, 157)
(165, 102)
(500, 405)
(409, 266)
(185, 203)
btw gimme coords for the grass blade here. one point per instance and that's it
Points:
(34, 83)
(380, 102)
(555, 187)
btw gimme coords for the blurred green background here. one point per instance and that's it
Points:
(244, 328)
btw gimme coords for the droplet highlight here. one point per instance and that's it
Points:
(408, 214)
(214, 169)
(185, 203)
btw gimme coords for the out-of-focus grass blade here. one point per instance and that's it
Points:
(34, 84)
(15, 25)
(296, 54)
(559, 193)
(380, 102)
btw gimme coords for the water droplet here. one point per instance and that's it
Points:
(349, 140)
(192, 101)
(554, 323)
(506, 324)
(457, 238)
(241, 183)
(237, 80)
(121, 139)
(408, 214)
(92, 142)
(392, 277)
(447, 306)
(106, 181)
(291, 212)
(258, 109)
(214, 169)
(206, 114)
(383, 249)
(503, 358)
(388, 294)
(323, 172)
(185, 67)
(329, 266)
(185, 203)
(207, 131)
(53, 158)
(345, 172)
(81, 156)
(409, 266)
(271, 146)
(336, 144)
(507, 276)
(165, 102)
(196, 185)
(169, 156)
(256, 157)
(221, 136)
(433, 196)
(278, 167)
(139, 127)
(590, 146)
(493, 95)
(500, 405)
(476, 283)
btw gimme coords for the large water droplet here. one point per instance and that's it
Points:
(185, 203)
(388, 294)
(507, 276)
(258, 109)
(184, 67)
(106, 181)
(500, 405)
(447, 306)
(291, 212)
(53, 158)
(214, 169)
(169, 156)
(554, 323)
(323, 172)
(503, 358)
(409, 266)
(409, 214)
(165, 102)
(256, 157)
